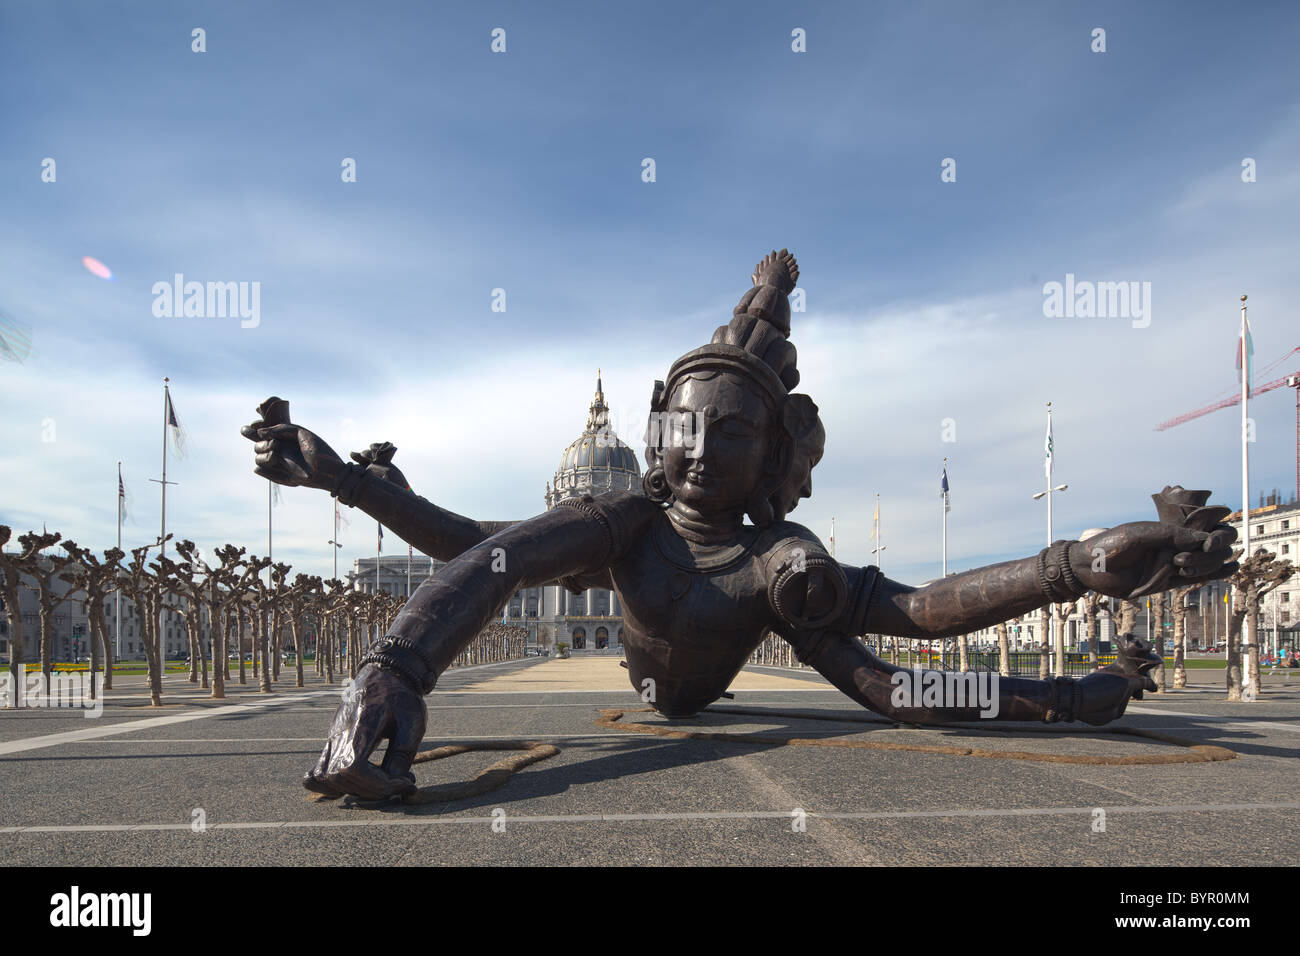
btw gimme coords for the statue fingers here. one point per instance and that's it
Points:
(250, 431)
(1221, 537)
(315, 779)
(1195, 564)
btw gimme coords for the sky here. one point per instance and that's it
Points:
(924, 334)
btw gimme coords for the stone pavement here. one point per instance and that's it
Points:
(134, 785)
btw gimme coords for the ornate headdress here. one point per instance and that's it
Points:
(755, 344)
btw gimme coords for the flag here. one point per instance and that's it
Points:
(1245, 347)
(875, 521)
(381, 538)
(943, 491)
(275, 494)
(121, 496)
(178, 433)
(1048, 447)
(340, 518)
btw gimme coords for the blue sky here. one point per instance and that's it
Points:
(522, 171)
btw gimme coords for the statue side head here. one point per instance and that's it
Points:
(725, 434)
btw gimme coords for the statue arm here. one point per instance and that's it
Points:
(579, 537)
(958, 604)
(429, 529)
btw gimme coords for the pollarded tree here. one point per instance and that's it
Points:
(139, 583)
(1261, 573)
(45, 569)
(13, 565)
(96, 579)
(1179, 611)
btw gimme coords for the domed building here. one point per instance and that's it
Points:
(594, 463)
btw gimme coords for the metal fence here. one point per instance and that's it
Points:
(774, 652)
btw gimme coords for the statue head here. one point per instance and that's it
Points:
(726, 437)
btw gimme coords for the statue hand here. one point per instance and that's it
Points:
(377, 705)
(378, 461)
(290, 455)
(1105, 693)
(1145, 557)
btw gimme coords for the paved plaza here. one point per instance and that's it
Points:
(133, 786)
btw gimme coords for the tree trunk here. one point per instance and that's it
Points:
(47, 641)
(17, 664)
(203, 649)
(241, 615)
(264, 642)
(1157, 673)
(151, 656)
(1251, 650)
(329, 661)
(219, 616)
(276, 652)
(194, 631)
(295, 628)
(1004, 650)
(1180, 643)
(963, 655)
(95, 615)
(1233, 670)
(1090, 631)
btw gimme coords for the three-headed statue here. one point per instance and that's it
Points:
(705, 562)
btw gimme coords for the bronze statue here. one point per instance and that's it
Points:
(699, 585)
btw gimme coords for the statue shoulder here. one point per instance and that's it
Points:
(626, 515)
(793, 558)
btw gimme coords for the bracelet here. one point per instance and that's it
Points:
(347, 487)
(1067, 572)
(410, 665)
(1065, 700)
(384, 644)
(1053, 577)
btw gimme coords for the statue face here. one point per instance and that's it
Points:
(716, 463)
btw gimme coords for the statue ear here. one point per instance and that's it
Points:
(799, 416)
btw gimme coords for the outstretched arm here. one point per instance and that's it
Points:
(291, 455)
(1128, 561)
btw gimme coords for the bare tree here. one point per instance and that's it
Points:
(1259, 574)
(1004, 650)
(45, 569)
(96, 579)
(1178, 610)
(13, 565)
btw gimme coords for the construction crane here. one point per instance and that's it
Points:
(1291, 381)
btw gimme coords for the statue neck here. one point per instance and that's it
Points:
(700, 528)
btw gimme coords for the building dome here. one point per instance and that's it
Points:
(596, 461)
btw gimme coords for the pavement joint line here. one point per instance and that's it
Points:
(1247, 721)
(128, 726)
(704, 815)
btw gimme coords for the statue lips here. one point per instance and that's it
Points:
(699, 477)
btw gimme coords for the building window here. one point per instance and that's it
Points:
(1286, 525)
(1286, 596)
(1259, 529)
(1286, 549)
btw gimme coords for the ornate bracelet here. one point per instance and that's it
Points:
(383, 645)
(348, 485)
(1055, 576)
(404, 664)
(1065, 700)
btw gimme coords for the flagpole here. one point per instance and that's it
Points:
(162, 535)
(117, 614)
(1247, 688)
(944, 505)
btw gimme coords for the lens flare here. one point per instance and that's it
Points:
(96, 267)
